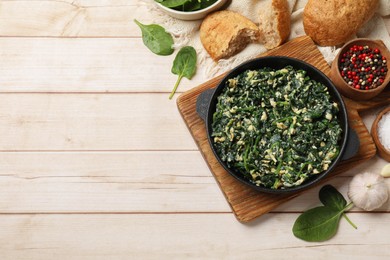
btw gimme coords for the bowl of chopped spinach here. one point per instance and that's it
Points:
(277, 124)
(189, 9)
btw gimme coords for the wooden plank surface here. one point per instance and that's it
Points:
(83, 122)
(70, 18)
(126, 182)
(85, 65)
(81, 100)
(103, 182)
(189, 236)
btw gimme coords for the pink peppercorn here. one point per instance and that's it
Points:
(363, 67)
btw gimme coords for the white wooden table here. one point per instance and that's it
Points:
(96, 162)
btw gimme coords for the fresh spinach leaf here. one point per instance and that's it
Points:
(330, 197)
(206, 3)
(187, 5)
(184, 65)
(173, 3)
(191, 6)
(321, 223)
(317, 224)
(156, 38)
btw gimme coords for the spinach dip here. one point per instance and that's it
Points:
(276, 127)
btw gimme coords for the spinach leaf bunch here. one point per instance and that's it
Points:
(277, 128)
(187, 5)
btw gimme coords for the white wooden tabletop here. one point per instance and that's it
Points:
(96, 162)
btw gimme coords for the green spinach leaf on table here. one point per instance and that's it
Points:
(330, 197)
(184, 65)
(156, 38)
(317, 224)
(321, 223)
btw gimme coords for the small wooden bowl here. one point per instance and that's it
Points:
(382, 151)
(349, 91)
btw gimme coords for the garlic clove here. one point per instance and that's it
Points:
(386, 171)
(368, 191)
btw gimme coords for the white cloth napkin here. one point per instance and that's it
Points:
(187, 32)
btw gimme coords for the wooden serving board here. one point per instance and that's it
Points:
(247, 203)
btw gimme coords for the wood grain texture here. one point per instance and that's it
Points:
(247, 204)
(107, 182)
(101, 204)
(183, 236)
(82, 122)
(72, 18)
(85, 65)
(126, 182)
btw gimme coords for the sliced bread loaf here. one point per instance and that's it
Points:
(225, 33)
(275, 21)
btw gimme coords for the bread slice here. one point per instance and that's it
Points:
(225, 33)
(275, 23)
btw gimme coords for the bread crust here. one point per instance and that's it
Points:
(224, 33)
(333, 22)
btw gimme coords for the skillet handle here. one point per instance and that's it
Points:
(352, 146)
(202, 103)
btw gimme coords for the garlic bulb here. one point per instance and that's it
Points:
(368, 191)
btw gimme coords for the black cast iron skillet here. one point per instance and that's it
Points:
(206, 105)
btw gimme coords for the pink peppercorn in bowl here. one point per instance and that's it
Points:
(360, 70)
